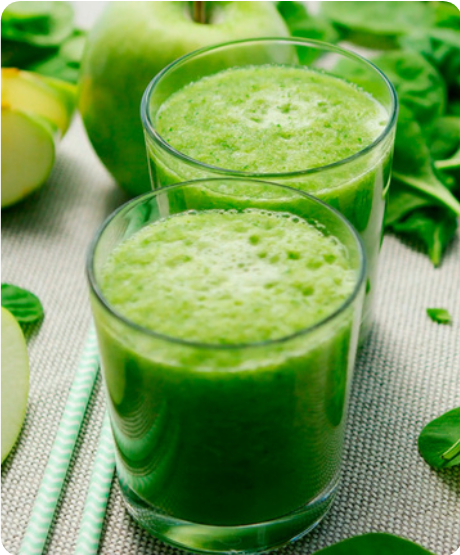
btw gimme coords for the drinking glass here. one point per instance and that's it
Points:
(224, 447)
(357, 186)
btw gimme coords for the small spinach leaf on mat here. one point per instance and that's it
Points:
(439, 315)
(439, 441)
(375, 544)
(434, 226)
(23, 305)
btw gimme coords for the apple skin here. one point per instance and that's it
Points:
(127, 47)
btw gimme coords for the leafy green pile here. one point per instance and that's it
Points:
(418, 47)
(41, 37)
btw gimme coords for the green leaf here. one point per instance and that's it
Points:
(441, 47)
(19, 54)
(54, 25)
(453, 108)
(439, 441)
(23, 304)
(26, 11)
(413, 165)
(443, 137)
(303, 24)
(65, 62)
(402, 201)
(418, 83)
(447, 15)
(435, 227)
(374, 544)
(378, 24)
(439, 315)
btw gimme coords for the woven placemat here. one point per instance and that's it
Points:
(408, 373)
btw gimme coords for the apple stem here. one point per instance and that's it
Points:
(199, 12)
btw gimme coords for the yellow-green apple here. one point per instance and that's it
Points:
(36, 111)
(15, 381)
(128, 46)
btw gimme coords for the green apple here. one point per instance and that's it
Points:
(15, 381)
(128, 46)
(36, 111)
(49, 98)
(27, 154)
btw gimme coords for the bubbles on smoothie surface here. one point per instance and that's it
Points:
(227, 276)
(270, 119)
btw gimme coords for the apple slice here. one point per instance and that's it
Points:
(27, 154)
(49, 98)
(15, 381)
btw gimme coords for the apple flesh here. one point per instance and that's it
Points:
(27, 155)
(36, 111)
(15, 381)
(128, 46)
(42, 96)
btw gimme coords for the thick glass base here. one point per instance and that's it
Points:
(252, 538)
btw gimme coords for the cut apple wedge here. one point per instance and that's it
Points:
(36, 111)
(15, 381)
(27, 154)
(39, 95)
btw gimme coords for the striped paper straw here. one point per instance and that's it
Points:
(61, 454)
(98, 494)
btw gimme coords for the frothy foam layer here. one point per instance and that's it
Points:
(270, 119)
(228, 277)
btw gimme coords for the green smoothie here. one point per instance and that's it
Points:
(214, 432)
(207, 271)
(272, 119)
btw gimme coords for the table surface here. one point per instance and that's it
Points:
(407, 374)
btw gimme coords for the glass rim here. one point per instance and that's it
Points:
(150, 128)
(95, 289)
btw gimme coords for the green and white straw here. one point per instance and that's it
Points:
(62, 451)
(98, 494)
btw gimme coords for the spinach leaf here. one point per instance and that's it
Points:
(375, 544)
(401, 202)
(439, 315)
(453, 108)
(441, 47)
(303, 24)
(446, 15)
(419, 85)
(65, 62)
(439, 441)
(20, 54)
(49, 26)
(22, 304)
(413, 165)
(378, 24)
(443, 137)
(422, 205)
(434, 226)
(40, 37)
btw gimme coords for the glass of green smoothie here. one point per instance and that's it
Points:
(227, 328)
(302, 113)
